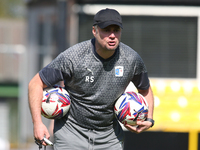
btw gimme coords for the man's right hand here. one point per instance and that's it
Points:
(41, 131)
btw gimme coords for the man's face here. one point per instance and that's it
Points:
(107, 38)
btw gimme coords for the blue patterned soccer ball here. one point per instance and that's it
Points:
(130, 108)
(56, 102)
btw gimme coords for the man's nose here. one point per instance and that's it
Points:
(112, 35)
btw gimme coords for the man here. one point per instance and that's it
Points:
(88, 71)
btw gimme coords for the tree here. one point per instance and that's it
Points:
(12, 9)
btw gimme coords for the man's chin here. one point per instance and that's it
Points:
(112, 48)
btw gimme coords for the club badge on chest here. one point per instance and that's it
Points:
(119, 71)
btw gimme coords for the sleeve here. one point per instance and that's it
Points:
(57, 70)
(141, 81)
(140, 77)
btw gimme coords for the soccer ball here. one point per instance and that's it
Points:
(56, 102)
(130, 108)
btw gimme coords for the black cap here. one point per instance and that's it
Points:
(106, 17)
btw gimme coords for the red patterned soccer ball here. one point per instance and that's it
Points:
(130, 108)
(56, 102)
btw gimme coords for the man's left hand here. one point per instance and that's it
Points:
(139, 127)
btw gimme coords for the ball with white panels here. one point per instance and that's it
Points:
(131, 107)
(56, 102)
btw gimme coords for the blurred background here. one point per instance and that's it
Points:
(166, 33)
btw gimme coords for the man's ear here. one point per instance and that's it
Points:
(94, 31)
